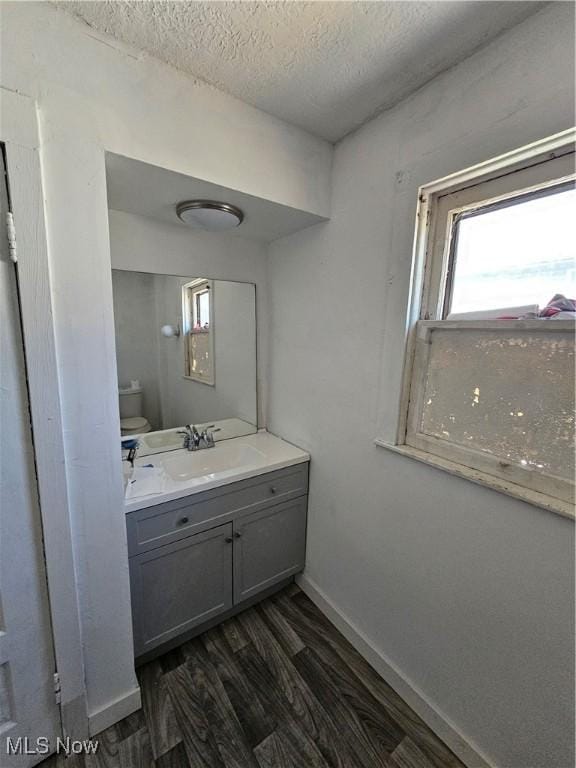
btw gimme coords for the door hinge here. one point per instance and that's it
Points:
(57, 688)
(11, 232)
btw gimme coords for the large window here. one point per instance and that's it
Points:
(490, 372)
(515, 253)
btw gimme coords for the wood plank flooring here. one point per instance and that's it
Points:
(275, 687)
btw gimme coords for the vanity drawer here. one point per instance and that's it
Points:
(164, 523)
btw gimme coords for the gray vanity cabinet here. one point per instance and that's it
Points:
(178, 586)
(205, 556)
(269, 546)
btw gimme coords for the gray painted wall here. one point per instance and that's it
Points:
(469, 593)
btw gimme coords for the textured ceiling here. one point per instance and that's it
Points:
(325, 66)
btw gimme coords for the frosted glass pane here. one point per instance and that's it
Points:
(517, 255)
(511, 396)
(200, 351)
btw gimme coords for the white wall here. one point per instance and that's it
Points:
(136, 106)
(235, 342)
(468, 592)
(94, 95)
(136, 334)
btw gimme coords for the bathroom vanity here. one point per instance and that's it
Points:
(212, 542)
(210, 530)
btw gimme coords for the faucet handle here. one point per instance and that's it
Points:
(186, 441)
(208, 438)
(195, 436)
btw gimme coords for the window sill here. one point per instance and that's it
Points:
(541, 500)
(199, 381)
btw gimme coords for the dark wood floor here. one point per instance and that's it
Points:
(275, 687)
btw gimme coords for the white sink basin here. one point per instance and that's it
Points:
(152, 443)
(174, 474)
(223, 457)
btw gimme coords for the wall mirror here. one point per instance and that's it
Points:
(186, 354)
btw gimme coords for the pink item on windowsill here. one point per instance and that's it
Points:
(558, 307)
(557, 304)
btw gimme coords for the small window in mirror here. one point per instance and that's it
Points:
(202, 309)
(198, 313)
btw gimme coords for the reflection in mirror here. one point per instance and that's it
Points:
(186, 354)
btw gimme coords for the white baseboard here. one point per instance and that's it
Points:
(112, 713)
(74, 718)
(429, 713)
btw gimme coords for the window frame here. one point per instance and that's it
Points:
(471, 211)
(190, 291)
(450, 205)
(196, 293)
(427, 302)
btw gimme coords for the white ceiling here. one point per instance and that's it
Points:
(325, 66)
(147, 190)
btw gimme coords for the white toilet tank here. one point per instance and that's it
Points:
(130, 402)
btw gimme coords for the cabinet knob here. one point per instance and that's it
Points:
(272, 489)
(183, 521)
(237, 535)
(228, 539)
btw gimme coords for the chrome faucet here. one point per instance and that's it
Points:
(207, 436)
(196, 441)
(191, 437)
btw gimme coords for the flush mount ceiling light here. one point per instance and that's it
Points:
(210, 215)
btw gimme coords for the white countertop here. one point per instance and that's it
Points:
(180, 473)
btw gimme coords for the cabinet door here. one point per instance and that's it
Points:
(178, 586)
(269, 546)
